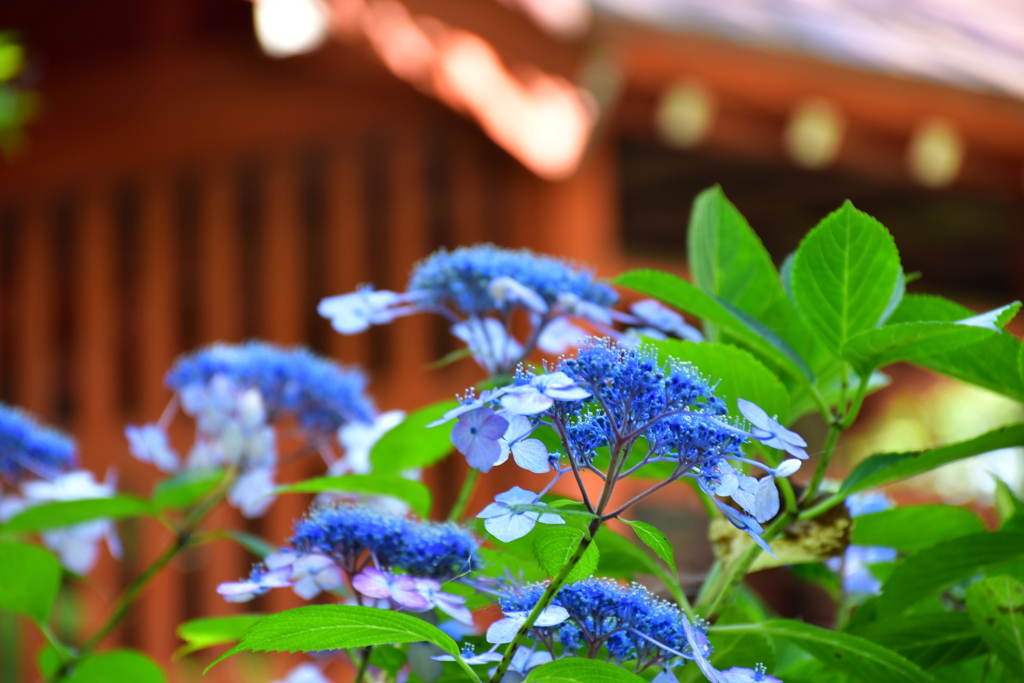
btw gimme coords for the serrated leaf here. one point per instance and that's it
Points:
(680, 294)
(886, 468)
(842, 652)
(727, 258)
(67, 513)
(883, 346)
(199, 634)
(577, 670)
(996, 606)
(915, 527)
(416, 494)
(411, 444)
(994, 363)
(184, 489)
(553, 547)
(935, 569)
(116, 665)
(844, 275)
(29, 580)
(929, 640)
(738, 374)
(656, 541)
(336, 627)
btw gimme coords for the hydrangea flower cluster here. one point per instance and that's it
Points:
(235, 393)
(391, 560)
(478, 288)
(596, 616)
(614, 396)
(43, 464)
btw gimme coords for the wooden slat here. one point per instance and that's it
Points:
(96, 418)
(345, 240)
(220, 319)
(157, 332)
(281, 320)
(35, 371)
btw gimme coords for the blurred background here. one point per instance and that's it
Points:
(177, 172)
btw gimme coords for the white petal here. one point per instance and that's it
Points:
(531, 455)
(552, 616)
(766, 499)
(787, 468)
(525, 400)
(510, 527)
(504, 630)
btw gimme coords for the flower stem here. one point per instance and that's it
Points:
(465, 494)
(834, 430)
(364, 663)
(545, 600)
(712, 602)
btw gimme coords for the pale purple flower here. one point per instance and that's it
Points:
(541, 393)
(662, 318)
(559, 336)
(739, 674)
(477, 435)
(256, 585)
(311, 573)
(148, 443)
(401, 590)
(505, 523)
(787, 467)
(769, 432)
(469, 656)
(489, 342)
(745, 524)
(506, 290)
(253, 492)
(483, 399)
(304, 673)
(452, 605)
(359, 438)
(358, 310)
(586, 310)
(530, 454)
(504, 630)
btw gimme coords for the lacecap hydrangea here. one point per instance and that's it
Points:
(599, 618)
(613, 396)
(41, 463)
(478, 289)
(235, 393)
(400, 561)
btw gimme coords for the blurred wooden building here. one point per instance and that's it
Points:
(185, 182)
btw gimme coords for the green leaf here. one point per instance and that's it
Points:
(29, 580)
(67, 513)
(1007, 504)
(844, 275)
(929, 640)
(199, 634)
(416, 494)
(848, 654)
(679, 293)
(879, 347)
(996, 606)
(994, 363)
(727, 258)
(553, 547)
(337, 627)
(657, 542)
(185, 489)
(577, 670)
(411, 444)
(886, 468)
(915, 527)
(941, 566)
(251, 542)
(388, 657)
(116, 665)
(738, 373)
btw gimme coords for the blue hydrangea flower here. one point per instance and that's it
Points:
(614, 396)
(351, 534)
(319, 393)
(629, 622)
(27, 448)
